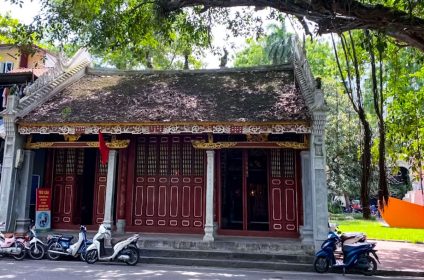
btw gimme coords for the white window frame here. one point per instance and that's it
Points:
(6, 67)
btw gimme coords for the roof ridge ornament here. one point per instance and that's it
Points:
(319, 101)
(63, 64)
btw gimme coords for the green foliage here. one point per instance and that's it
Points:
(279, 46)
(254, 54)
(13, 32)
(274, 48)
(7, 26)
(405, 111)
(335, 208)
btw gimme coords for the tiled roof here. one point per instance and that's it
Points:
(36, 71)
(246, 95)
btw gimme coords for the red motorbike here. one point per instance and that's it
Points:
(11, 247)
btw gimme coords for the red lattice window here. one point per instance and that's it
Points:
(288, 163)
(60, 162)
(199, 162)
(186, 156)
(163, 156)
(141, 157)
(275, 163)
(70, 161)
(80, 163)
(175, 156)
(152, 157)
(282, 163)
(168, 156)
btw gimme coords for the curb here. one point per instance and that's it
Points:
(400, 273)
(276, 266)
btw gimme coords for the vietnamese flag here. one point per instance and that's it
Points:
(104, 150)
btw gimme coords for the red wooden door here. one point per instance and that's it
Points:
(283, 192)
(169, 185)
(67, 172)
(99, 191)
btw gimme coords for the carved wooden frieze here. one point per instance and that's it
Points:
(115, 144)
(275, 128)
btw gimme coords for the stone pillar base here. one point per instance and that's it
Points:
(120, 226)
(307, 238)
(209, 236)
(22, 225)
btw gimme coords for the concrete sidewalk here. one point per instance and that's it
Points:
(396, 258)
(400, 258)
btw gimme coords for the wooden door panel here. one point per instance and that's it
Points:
(63, 199)
(67, 178)
(100, 183)
(283, 191)
(167, 197)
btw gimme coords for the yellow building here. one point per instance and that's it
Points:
(11, 58)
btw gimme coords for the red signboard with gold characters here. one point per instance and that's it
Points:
(43, 209)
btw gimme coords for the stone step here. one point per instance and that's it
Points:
(300, 267)
(260, 246)
(301, 257)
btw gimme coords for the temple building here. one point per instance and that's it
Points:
(235, 152)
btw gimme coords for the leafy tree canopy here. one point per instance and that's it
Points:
(134, 24)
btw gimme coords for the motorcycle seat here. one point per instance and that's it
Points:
(115, 241)
(355, 246)
(67, 237)
(346, 236)
(8, 235)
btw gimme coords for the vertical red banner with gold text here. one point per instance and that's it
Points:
(43, 209)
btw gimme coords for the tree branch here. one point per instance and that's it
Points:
(331, 16)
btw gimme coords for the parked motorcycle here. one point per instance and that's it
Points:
(357, 255)
(125, 250)
(10, 246)
(60, 245)
(34, 246)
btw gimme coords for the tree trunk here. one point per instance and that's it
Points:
(377, 90)
(383, 192)
(366, 167)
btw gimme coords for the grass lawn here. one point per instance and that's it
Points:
(376, 230)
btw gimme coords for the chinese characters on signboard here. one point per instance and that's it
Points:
(43, 209)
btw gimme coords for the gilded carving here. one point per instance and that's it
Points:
(117, 144)
(257, 137)
(245, 128)
(71, 137)
(212, 146)
(292, 145)
(39, 145)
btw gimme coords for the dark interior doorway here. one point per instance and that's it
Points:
(244, 189)
(87, 186)
(257, 190)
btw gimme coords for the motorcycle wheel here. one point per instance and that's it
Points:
(91, 256)
(321, 264)
(55, 246)
(36, 251)
(22, 254)
(372, 266)
(133, 254)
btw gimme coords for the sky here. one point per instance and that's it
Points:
(32, 8)
(24, 14)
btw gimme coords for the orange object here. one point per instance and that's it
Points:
(403, 214)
